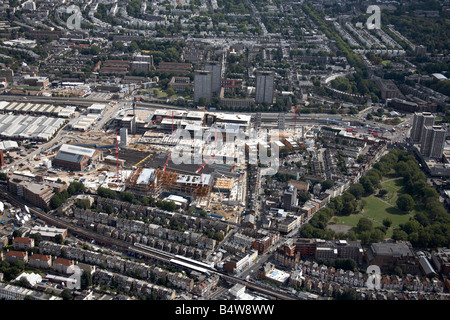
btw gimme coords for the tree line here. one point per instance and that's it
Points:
(130, 197)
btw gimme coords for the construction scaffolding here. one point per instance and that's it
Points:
(197, 186)
(143, 181)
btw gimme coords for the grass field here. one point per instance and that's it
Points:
(394, 189)
(376, 209)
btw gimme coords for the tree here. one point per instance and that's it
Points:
(218, 236)
(37, 238)
(337, 204)
(304, 196)
(85, 280)
(405, 202)
(348, 208)
(347, 295)
(56, 200)
(84, 204)
(345, 264)
(109, 209)
(23, 282)
(376, 236)
(327, 184)
(367, 185)
(76, 187)
(66, 295)
(202, 101)
(422, 219)
(17, 233)
(399, 235)
(166, 205)
(59, 239)
(387, 222)
(307, 231)
(357, 190)
(411, 226)
(364, 224)
(126, 196)
(106, 193)
(94, 50)
(118, 45)
(348, 197)
(398, 271)
(170, 92)
(382, 192)
(364, 237)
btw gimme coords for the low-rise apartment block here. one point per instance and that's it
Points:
(21, 243)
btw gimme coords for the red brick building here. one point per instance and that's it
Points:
(75, 157)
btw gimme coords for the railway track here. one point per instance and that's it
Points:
(125, 246)
(154, 253)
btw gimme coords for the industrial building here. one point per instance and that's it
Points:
(85, 122)
(36, 109)
(96, 108)
(139, 121)
(48, 233)
(75, 157)
(22, 127)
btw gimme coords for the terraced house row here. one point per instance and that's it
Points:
(117, 264)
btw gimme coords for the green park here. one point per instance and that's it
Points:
(378, 208)
(392, 200)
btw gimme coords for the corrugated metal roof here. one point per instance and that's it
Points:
(69, 157)
(3, 104)
(77, 150)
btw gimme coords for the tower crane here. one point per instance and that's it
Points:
(204, 164)
(117, 155)
(165, 165)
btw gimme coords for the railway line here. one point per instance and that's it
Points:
(207, 269)
(122, 245)
(143, 250)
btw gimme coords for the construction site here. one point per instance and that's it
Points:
(134, 148)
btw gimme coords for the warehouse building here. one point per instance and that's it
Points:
(21, 127)
(76, 158)
(96, 108)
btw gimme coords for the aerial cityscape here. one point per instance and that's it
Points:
(224, 150)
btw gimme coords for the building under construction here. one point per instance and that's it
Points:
(197, 186)
(143, 181)
(152, 182)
